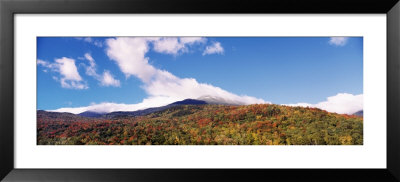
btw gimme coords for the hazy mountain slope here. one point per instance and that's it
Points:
(359, 113)
(152, 110)
(91, 114)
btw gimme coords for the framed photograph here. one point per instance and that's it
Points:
(171, 91)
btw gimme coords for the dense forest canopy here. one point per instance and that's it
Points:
(259, 124)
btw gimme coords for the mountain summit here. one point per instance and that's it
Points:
(189, 102)
(217, 100)
(359, 113)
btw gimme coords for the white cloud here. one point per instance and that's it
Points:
(90, 59)
(95, 42)
(44, 64)
(91, 69)
(174, 46)
(73, 84)
(168, 46)
(215, 48)
(107, 79)
(98, 43)
(47, 65)
(338, 41)
(160, 82)
(342, 103)
(167, 85)
(162, 86)
(129, 54)
(192, 40)
(69, 76)
(41, 62)
(87, 39)
(68, 69)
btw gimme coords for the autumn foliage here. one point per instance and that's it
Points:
(260, 124)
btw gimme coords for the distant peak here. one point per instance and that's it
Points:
(359, 113)
(92, 114)
(93, 111)
(217, 100)
(189, 102)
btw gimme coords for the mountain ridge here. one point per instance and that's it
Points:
(359, 113)
(204, 100)
(206, 124)
(141, 112)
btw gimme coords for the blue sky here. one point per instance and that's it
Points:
(118, 73)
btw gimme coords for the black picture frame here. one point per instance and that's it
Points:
(9, 8)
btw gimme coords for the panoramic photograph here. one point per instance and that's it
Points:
(199, 91)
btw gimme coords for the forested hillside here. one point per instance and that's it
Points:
(264, 124)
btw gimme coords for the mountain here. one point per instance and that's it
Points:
(201, 101)
(207, 124)
(359, 113)
(189, 102)
(56, 114)
(218, 100)
(53, 116)
(153, 109)
(133, 113)
(91, 114)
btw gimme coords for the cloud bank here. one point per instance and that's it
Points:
(342, 103)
